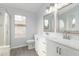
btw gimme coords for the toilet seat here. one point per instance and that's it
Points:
(30, 41)
(30, 44)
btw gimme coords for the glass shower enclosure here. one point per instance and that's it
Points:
(4, 32)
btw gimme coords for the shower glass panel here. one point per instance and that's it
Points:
(4, 28)
(1, 28)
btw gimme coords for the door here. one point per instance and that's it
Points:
(66, 51)
(42, 46)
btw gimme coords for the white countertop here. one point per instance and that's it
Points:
(58, 38)
(69, 43)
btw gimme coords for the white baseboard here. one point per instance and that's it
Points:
(18, 46)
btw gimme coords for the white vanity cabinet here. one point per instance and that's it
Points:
(52, 48)
(36, 43)
(67, 51)
(56, 49)
(41, 46)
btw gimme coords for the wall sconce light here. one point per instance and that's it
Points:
(73, 22)
(46, 23)
(47, 10)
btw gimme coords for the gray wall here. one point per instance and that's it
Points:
(34, 24)
(41, 13)
(31, 28)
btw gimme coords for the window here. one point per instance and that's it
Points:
(20, 26)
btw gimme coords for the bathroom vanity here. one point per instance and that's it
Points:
(56, 46)
(40, 45)
(60, 41)
(62, 47)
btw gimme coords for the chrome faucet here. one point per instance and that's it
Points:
(66, 36)
(47, 33)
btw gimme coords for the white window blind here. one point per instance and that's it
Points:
(20, 26)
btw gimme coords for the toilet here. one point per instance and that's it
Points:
(30, 43)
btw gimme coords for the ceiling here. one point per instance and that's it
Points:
(31, 7)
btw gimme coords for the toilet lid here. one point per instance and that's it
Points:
(30, 41)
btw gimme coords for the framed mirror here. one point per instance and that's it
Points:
(61, 23)
(48, 22)
(68, 20)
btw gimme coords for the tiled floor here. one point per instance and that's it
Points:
(23, 51)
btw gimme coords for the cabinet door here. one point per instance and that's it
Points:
(37, 45)
(42, 46)
(52, 48)
(67, 51)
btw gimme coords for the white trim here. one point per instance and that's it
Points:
(18, 46)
